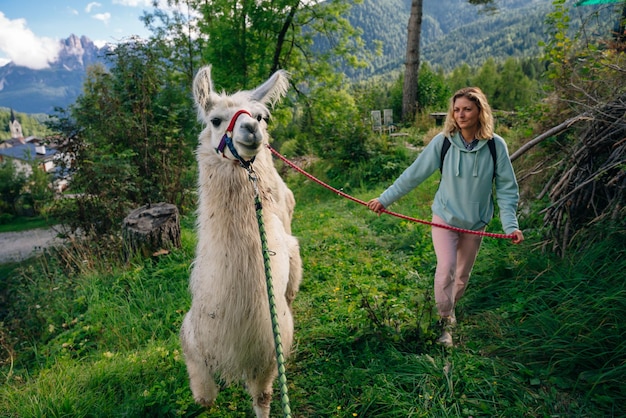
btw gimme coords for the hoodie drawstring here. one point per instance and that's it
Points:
(475, 172)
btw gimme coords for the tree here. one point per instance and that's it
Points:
(246, 41)
(461, 77)
(514, 89)
(409, 91)
(409, 97)
(432, 89)
(12, 181)
(130, 138)
(488, 79)
(174, 35)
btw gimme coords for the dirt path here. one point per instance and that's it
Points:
(16, 246)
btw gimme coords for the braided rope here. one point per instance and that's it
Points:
(280, 357)
(408, 218)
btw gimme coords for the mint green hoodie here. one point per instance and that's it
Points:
(464, 198)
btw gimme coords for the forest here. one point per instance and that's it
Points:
(86, 330)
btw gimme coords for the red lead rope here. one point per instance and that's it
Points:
(398, 215)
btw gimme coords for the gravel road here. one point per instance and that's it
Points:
(16, 246)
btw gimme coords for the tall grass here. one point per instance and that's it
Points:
(538, 336)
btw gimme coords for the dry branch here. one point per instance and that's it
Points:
(550, 132)
(590, 181)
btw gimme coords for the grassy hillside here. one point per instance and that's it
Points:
(453, 32)
(537, 337)
(32, 125)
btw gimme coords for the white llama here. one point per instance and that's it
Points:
(227, 331)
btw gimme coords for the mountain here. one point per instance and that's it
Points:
(453, 32)
(40, 91)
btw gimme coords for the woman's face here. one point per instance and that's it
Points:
(466, 113)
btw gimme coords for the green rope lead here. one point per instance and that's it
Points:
(280, 358)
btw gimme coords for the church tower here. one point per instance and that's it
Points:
(15, 127)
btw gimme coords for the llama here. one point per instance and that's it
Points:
(227, 332)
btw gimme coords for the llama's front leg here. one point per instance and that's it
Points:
(201, 381)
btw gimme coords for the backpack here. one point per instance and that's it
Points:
(492, 148)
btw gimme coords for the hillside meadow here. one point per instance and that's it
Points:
(538, 336)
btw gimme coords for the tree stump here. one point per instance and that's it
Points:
(152, 230)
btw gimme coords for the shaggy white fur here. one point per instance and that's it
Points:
(227, 331)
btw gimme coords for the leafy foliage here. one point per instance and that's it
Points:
(21, 193)
(12, 182)
(127, 138)
(585, 186)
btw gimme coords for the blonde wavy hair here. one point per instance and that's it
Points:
(485, 117)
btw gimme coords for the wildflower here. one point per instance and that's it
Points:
(108, 354)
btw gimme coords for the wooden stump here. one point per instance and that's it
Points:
(152, 230)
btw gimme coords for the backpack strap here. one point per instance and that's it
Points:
(492, 149)
(444, 150)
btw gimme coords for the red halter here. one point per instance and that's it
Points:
(227, 140)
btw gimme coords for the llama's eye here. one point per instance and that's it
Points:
(216, 122)
(259, 117)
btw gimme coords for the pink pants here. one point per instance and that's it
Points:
(456, 253)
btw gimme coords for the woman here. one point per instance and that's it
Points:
(464, 198)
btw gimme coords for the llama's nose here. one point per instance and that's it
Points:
(250, 130)
(250, 126)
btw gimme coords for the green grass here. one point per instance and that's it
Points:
(25, 223)
(538, 336)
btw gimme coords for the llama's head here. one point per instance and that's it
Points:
(240, 118)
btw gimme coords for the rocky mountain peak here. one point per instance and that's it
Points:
(77, 53)
(57, 86)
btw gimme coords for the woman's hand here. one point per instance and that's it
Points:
(518, 237)
(376, 206)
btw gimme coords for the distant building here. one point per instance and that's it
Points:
(15, 127)
(28, 154)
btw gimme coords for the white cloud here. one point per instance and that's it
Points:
(99, 43)
(92, 5)
(134, 3)
(23, 47)
(104, 17)
(72, 11)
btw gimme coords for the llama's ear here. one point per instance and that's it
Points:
(203, 91)
(273, 89)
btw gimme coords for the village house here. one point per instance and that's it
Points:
(28, 153)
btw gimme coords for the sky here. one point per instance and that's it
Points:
(30, 30)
